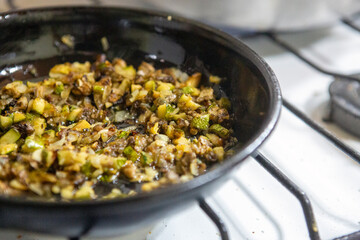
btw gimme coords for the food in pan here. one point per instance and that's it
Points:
(105, 123)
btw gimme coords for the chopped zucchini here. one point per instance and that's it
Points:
(219, 130)
(220, 153)
(32, 144)
(73, 114)
(155, 128)
(214, 139)
(81, 125)
(49, 134)
(18, 117)
(124, 86)
(201, 122)
(68, 157)
(127, 72)
(161, 111)
(186, 102)
(164, 87)
(10, 136)
(131, 154)
(224, 103)
(7, 148)
(5, 122)
(65, 109)
(146, 159)
(135, 87)
(98, 89)
(85, 192)
(191, 90)
(150, 85)
(193, 80)
(87, 169)
(120, 162)
(214, 79)
(39, 125)
(124, 134)
(38, 105)
(166, 111)
(59, 87)
(48, 157)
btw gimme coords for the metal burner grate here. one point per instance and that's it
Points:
(282, 178)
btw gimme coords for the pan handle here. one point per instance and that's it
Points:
(215, 218)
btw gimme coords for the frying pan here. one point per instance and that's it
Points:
(31, 39)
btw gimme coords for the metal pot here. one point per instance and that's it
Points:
(32, 37)
(262, 15)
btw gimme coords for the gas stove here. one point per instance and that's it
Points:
(304, 182)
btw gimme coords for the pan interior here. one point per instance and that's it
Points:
(32, 40)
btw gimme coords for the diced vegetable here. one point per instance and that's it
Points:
(131, 154)
(155, 128)
(5, 122)
(201, 122)
(67, 157)
(39, 125)
(191, 90)
(121, 116)
(65, 109)
(224, 103)
(193, 80)
(146, 159)
(87, 169)
(32, 144)
(17, 185)
(150, 85)
(219, 151)
(49, 134)
(73, 114)
(135, 87)
(166, 111)
(120, 162)
(124, 134)
(186, 102)
(161, 111)
(219, 130)
(181, 140)
(214, 79)
(98, 89)
(165, 87)
(59, 87)
(48, 157)
(81, 125)
(127, 72)
(106, 121)
(214, 139)
(85, 192)
(125, 85)
(7, 148)
(10, 136)
(18, 117)
(38, 105)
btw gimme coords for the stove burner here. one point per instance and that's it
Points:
(345, 105)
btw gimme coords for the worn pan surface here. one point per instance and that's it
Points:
(33, 37)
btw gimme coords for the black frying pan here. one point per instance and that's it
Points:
(31, 38)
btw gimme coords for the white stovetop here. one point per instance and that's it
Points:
(253, 204)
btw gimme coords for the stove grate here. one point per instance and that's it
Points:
(282, 178)
(295, 190)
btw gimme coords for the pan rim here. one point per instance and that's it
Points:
(241, 153)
